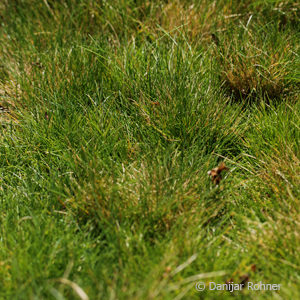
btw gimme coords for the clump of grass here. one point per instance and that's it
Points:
(257, 62)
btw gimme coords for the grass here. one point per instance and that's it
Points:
(114, 113)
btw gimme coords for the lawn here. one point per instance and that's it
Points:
(116, 120)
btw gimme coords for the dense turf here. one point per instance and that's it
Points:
(112, 114)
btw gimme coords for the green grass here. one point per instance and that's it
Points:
(117, 111)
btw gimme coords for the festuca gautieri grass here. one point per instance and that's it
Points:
(149, 149)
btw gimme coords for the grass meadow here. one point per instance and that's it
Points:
(112, 113)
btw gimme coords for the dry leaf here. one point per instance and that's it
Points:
(215, 173)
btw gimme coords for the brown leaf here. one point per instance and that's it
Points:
(215, 173)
